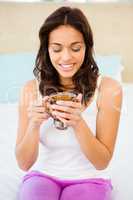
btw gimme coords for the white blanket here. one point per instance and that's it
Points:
(121, 165)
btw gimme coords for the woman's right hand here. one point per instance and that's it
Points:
(37, 113)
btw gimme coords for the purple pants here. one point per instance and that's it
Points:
(39, 186)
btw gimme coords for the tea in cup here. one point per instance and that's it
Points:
(59, 96)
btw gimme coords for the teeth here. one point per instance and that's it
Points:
(65, 66)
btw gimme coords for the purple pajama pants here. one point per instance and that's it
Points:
(39, 186)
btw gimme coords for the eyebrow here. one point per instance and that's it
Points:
(73, 43)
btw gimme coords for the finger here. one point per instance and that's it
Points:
(36, 103)
(45, 100)
(79, 97)
(39, 102)
(62, 108)
(62, 114)
(65, 121)
(38, 109)
(42, 100)
(38, 115)
(69, 103)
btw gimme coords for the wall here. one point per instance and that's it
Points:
(111, 24)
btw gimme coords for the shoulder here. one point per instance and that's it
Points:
(29, 85)
(110, 90)
(110, 84)
(28, 92)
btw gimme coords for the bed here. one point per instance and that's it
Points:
(120, 166)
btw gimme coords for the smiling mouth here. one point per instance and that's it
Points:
(66, 67)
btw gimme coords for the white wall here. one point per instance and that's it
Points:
(111, 24)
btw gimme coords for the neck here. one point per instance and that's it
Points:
(67, 84)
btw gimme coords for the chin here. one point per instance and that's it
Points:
(67, 74)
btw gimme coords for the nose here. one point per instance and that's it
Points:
(66, 55)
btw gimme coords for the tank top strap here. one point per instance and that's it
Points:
(39, 96)
(99, 79)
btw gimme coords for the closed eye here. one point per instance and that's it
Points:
(76, 49)
(56, 50)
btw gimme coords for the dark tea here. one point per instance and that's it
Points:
(59, 96)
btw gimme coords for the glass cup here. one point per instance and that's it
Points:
(63, 96)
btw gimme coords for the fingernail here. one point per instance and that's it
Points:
(60, 102)
(53, 113)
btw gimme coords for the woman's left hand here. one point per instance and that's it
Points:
(68, 112)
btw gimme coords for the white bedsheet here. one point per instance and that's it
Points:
(121, 166)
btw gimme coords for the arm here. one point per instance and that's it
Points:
(27, 143)
(99, 149)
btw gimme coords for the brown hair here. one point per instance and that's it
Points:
(85, 78)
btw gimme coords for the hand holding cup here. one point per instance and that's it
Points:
(61, 106)
(37, 113)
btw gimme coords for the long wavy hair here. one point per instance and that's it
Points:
(85, 79)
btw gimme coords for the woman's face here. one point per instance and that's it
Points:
(66, 50)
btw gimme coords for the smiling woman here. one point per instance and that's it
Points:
(72, 164)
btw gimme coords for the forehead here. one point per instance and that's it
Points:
(65, 34)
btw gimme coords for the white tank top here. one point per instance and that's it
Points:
(60, 154)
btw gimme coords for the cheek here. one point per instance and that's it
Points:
(53, 57)
(81, 57)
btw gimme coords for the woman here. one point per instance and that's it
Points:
(72, 162)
